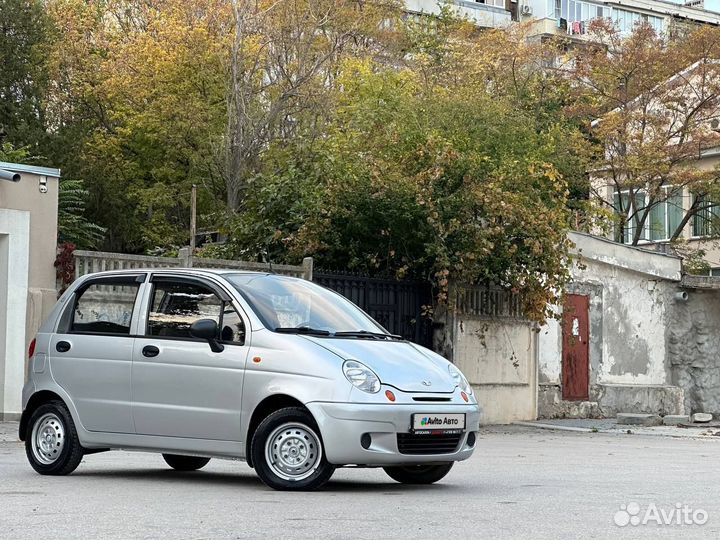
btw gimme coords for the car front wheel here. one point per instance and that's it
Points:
(287, 451)
(51, 441)
(419, 474)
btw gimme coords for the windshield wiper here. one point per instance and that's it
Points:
(367, 334)
(302, 330)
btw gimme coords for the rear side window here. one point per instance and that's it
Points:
(105, 307)
(176, 305)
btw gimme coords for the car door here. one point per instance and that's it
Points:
(91, 352)
(181, 388)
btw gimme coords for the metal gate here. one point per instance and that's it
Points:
(398, 305)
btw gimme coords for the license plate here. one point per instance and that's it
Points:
(438, 422)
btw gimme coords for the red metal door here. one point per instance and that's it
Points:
(575, 351)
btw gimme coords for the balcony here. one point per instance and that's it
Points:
(486, 15)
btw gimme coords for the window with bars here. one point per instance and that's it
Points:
(706, 221)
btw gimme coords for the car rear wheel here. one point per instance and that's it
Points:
(185, 463)
(419, 474)
(51, 441)
(288, 453)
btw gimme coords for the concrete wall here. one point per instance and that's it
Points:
(498, 355)
(24, 205)
(631, 298)
(14, 249)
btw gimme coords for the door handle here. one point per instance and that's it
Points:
(62, 346)
(150, 351)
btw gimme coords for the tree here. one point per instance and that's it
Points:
(23, 34)
(282, 65)
(433, 184)
(654, 100)
(73, 226)
(138, 110)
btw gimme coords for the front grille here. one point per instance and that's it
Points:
(416, 444)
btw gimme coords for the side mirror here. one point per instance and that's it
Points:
(207, 329)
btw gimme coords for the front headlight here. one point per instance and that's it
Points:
(361, 376)
(460, 379)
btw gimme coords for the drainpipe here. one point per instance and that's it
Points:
(8, 175)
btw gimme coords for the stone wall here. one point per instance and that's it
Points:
(694, 350)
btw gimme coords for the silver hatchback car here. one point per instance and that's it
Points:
(278, 371)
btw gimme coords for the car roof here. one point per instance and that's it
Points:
(188, 271)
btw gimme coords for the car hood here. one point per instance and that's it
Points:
(397, 363)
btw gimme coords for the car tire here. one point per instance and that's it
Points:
(185, 463)
(287, 451)
(419, 474)
(51, 440)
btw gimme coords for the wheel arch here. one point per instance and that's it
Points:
(37, 399)
(266, 407)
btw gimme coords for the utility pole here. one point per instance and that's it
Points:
(193, 222)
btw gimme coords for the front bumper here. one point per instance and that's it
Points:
(343, 424)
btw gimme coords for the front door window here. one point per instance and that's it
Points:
(176, 305)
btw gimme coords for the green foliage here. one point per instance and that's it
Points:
(139, 109)
(73, 226)
(10, 154)
(420, 148)
(411, 181)
(23, 36)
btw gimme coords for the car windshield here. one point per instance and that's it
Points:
(293, 305)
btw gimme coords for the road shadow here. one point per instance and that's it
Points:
(247, 480)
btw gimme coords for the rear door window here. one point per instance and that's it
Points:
(105, 306)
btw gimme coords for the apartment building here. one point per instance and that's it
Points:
(486, 13)
(572, 17)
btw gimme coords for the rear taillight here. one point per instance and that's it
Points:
(31, 349)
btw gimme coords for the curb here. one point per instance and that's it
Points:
(558, 428)
(555, 427)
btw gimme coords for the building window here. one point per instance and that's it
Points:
(580, 14)
(631, 209)
(665, 217)
(662, 222)
(557, 12)
(625, 21)
(705, 222)
(495, 3)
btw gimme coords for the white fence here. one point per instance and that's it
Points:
(88, 262)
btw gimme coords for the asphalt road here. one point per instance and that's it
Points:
(521, 483)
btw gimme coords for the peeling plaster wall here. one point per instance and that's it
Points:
(631, 309)
(694, 350)
(634, 319)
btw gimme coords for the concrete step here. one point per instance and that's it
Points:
(634, 419)
(675, 419)
(702, 418)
